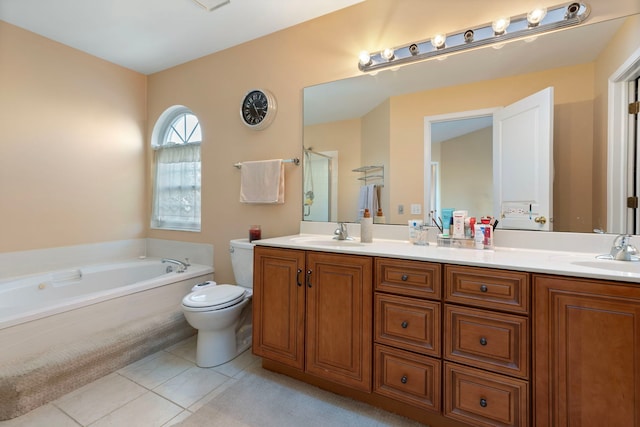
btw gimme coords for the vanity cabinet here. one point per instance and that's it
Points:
(486, 346)
(407, 332)
(587, 352)
(313, 311)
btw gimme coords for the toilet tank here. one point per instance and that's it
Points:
(242, 261)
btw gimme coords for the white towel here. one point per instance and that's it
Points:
(262, 181)
(367, 199)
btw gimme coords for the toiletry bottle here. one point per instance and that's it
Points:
(366, 227)
(379, 218)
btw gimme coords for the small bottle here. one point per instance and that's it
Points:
(366, 227)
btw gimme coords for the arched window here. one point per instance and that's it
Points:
(176, 142)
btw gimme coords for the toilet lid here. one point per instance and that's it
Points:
(215, 297)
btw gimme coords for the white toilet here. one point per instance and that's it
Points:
(222, 313)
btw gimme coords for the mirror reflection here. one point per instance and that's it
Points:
(378, 121)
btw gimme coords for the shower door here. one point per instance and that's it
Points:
(319, 194)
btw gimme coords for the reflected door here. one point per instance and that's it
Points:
(523, 163)
(319, 192)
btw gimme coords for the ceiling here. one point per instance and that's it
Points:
(152, 35)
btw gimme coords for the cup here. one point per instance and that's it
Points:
(255, 233)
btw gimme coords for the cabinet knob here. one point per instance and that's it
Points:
(404, 324)
(540, 220)
(404, 277)
(404, 379)
(483, 341)
(483, 403)
(483, 288)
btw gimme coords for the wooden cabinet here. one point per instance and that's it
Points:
(486, 346)
(587, 352)
(278, 305)
(408, 332)
(313, 311)
(452, 345)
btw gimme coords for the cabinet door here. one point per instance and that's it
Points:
(587, 353)
(339, 318)
(278, 305)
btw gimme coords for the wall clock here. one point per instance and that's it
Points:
(258, 109)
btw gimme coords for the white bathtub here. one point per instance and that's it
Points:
(62, 329)
(40, 310)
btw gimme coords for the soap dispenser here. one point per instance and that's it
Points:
(379, 218)
(366, 227)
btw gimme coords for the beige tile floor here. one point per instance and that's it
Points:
(160, 390)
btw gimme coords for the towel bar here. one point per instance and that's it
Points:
(295, 161)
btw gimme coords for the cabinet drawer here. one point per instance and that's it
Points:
(486, 287)
(408, 323)
(411, 278)
(407, 377)
(494, 341)
(483, 399)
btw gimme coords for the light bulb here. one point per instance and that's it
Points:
(500, 26)
(364, 58)
(438, 41)
(536, 16)
(387, 54)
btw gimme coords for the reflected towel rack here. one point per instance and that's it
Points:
(295, 161)
(367, 170)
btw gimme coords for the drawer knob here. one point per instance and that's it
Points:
(484, 288)
(404, 379)
(404, 277)
(483, 341)
(483, 403)
(404, 324)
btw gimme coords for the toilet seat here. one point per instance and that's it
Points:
(214, 298)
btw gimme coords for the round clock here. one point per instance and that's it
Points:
(258, 109)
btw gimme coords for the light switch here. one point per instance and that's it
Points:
(416, 209)
(400, 209)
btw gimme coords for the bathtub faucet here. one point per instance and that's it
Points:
(182, 265)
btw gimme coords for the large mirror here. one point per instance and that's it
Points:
(367, 134)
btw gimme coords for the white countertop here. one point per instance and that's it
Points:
(565, 263)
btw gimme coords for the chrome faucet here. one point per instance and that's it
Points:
(622, 250)
(341, 232)
(182, 265)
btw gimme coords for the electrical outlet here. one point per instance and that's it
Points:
(400, 209)
(416, 209)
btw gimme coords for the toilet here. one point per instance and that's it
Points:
(222, 313)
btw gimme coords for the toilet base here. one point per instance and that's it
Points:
(215, 348)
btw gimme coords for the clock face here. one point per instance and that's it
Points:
(258, 109)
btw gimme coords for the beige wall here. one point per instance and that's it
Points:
(343, 136)
(72, 146)
(375, 152)
(466, 172)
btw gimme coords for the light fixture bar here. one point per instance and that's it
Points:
(556, 17)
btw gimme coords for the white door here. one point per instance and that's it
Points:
(523, 163)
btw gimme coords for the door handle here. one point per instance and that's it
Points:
(540, 220)
(309, 278)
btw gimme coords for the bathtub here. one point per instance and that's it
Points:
(89, 320)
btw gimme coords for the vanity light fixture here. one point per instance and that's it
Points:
(438, 41)
(526, 25)
(500, 26)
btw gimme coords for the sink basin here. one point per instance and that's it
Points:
(620, 266)
(325, 241)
